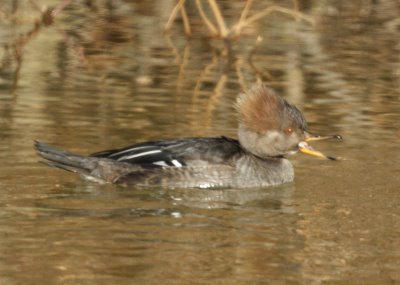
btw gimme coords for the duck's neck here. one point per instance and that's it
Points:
(260, 144)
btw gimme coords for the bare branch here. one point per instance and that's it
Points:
(185, 18)
(223, 30)
(204, 17)
(172, 17)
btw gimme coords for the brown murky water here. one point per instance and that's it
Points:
(105, 75)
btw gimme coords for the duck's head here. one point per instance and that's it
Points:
(269, 126)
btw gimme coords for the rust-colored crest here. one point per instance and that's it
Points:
(260, 109)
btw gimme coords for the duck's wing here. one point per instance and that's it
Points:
(177, 153)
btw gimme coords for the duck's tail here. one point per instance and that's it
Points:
(91, 168)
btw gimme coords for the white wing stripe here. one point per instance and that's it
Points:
(139, 154)
(131, 149)
(176, 163)
(161, 163)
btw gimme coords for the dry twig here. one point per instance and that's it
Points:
(205, 19)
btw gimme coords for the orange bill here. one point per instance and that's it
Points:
(304, 147)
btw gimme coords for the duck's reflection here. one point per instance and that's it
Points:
(269, 198)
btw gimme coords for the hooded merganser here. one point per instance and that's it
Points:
(269, 129)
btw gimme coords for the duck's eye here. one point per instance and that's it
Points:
(289, 131)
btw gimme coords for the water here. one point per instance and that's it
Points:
(106, 76)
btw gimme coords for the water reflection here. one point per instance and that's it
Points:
(170, 234)
(276, 198)
(168, 201)
(104, 75)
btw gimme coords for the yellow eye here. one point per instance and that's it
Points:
(289, 131)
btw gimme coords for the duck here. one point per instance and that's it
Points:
(269, 130)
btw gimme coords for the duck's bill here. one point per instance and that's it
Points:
(315, 137)
(307, 149)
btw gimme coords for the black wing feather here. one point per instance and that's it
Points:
(175, 153)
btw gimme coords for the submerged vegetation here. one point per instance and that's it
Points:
(220, 29)
(215, 26)
(96, 35)
(214, 21)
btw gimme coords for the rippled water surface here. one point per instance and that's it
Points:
(105, 75)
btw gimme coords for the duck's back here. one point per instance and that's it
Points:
(194, 162)
(188, 162)
(176, 153)
(198, 162)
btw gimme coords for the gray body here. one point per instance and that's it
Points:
(269, 129)
(205, 163)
